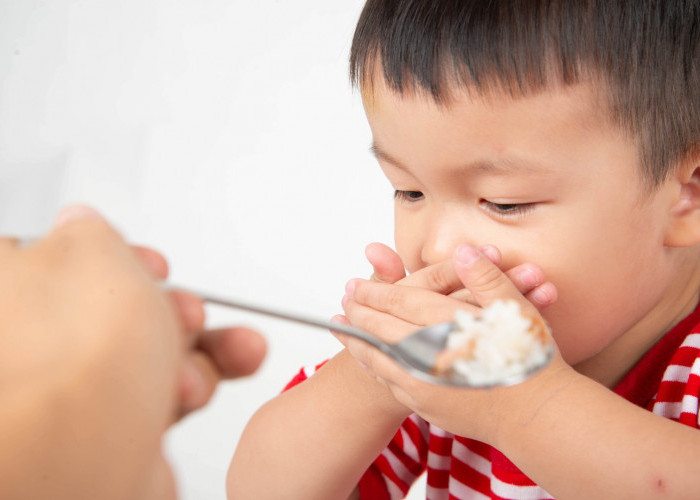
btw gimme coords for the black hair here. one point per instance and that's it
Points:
(642, 54)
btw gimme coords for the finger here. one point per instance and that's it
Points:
(76, 219)
(463, 295)
(360, 351)
(78, 229)
(343, 338)
(543, 296)
(486, 282)
(492, 253)
(414, 305)
(439, 278)
(190, 309)
(525, 277)
(442, 278)
(73, 213)
(236, 352)
(377, 364)
(388, 268)
(387, 264)
(529, 279)
(363, 353)
(197, 383)
(382, 325)
(154, 262)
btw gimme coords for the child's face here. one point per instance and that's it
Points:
(546, 179)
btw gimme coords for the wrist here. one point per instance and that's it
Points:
(372, 392)
(520, 408)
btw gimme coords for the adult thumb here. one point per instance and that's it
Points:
(75, 212)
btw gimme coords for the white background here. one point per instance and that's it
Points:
(224, 133)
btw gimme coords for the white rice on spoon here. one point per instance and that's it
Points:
(500, 345)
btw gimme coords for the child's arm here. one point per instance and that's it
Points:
(570, 434)
(317, 439)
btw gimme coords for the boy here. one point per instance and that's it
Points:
(564, 133)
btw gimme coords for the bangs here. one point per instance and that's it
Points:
(513, 47)
(641, 55)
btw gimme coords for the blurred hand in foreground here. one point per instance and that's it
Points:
(97, 361)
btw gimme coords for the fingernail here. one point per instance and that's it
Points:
(75, 212)
(350, 288)
(541, 295)
(491, 253)
(528, 278)
(339, 318)
(467, 255)
(344, 300)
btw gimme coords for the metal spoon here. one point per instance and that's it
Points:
(416, 353)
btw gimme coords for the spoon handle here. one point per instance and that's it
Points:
(245, 306)
(298, 318)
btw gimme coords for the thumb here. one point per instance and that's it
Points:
(486, 282)
(387, 265)
(85, 225)
(75, 212)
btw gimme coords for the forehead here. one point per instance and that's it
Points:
(563, 128)
(563, 112)
(585, 103)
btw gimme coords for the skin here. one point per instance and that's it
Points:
(515, 173)
(545, 179)
(87, 390)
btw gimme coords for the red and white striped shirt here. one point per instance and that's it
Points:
(665, 381)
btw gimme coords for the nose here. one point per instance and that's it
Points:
(445, 231)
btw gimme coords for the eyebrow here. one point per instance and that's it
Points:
(503, 167)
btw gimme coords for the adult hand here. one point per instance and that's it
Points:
(212, 355)
(94, 364)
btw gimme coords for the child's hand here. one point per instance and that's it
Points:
(442, 278)
(391, 312)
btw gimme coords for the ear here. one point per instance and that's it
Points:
(684, 220)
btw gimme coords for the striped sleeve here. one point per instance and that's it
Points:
(679, 390)
(303, 374)
(399, 465)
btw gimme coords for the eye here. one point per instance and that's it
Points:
(506, 210)
(409, 196)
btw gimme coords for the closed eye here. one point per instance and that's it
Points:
(409, 196)
(506, 210)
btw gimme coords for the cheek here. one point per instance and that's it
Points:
(605, 286)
